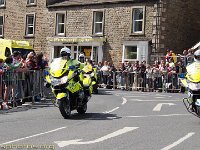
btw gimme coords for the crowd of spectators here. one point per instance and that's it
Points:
(20, 66)
(163, 73)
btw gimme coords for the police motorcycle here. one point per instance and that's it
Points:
(192, 84)
(65, 80)
(90, 76)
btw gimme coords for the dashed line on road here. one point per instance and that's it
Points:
(179, 141)
(169, 115)
(107, 112)
(154, 100)
(35, 135)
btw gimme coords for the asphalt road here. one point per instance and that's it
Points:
(115, 120)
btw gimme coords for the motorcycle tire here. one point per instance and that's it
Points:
(95, 89)
(198, 110)
(82, 110)
(64, 107)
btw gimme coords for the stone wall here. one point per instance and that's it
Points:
(117, 25)
(181, 24)
(15, 20)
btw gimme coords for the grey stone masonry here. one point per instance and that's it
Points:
(175, 25)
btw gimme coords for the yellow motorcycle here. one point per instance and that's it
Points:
(65, 82)
(192, 84)
(90, 80)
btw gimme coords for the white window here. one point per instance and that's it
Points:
(1, 25)
(138, 20)
(2, 2)
(30, 24)
(60, 24)
(31, 2)
(98, 23)
(135, 50)
(130, 53)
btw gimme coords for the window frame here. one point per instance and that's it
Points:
(127, 45)
(26, 25)
(93, 22)
(3, 17)
(133, 21)
(3, 5)
(56, 21)
(31, 4)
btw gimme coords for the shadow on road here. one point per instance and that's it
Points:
(94, 116)
(104, 92)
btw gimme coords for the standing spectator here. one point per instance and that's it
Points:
(149, 73)
(130, 76)
(1, 78)
(16, 57)
(122, 75)
(157, 78)
(30, 61)
(184, 57)
(9, 79)
(136, 70)
(190, 56)
(168, 55)
(99, 73)
(105, 70)
(41, 63)
(143, 74)
(112, 77)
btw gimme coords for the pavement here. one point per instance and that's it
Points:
(29, 105)
(115, 120)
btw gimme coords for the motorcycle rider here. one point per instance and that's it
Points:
(65, 53)
(193, 68)
(81, 58)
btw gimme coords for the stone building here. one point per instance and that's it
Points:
(114, 30)
(25, 20)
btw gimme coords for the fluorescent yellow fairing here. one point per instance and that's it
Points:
(58, 67)
(193, 72)
(61, 95)
(48, 79)
(74, 87)
(184, 82)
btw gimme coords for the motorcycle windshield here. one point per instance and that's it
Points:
(193, 72)
(58, 67)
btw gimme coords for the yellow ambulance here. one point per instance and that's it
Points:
(7, 47)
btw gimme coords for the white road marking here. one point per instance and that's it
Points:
(35, 135)
(155, 100)
(107, 112)
(137, 96)
(159, 97)
(170, 115)
(159, 106)
(111, 135)
(179, 141)
(124, 101)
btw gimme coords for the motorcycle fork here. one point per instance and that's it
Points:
(189, 106)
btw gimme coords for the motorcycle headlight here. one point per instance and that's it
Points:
(64, 79)
(194, 86)
(55, 82)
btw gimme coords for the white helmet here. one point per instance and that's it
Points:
(197, 55)
(65, 51)
(81, 57)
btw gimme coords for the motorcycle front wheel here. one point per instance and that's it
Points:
(64, 107)
(198, 110)
(83, 109)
